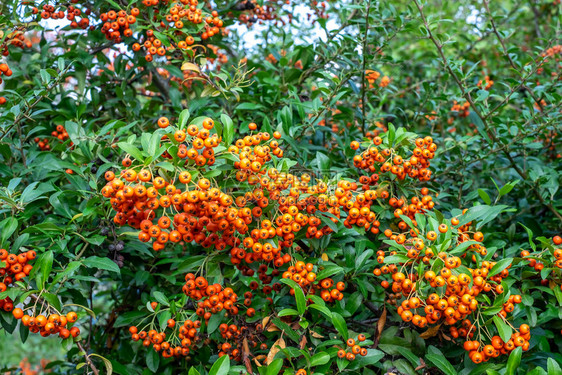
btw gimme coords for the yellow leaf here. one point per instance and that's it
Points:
(431, 331)
(190, 66)
(275, 348)
(316, 335)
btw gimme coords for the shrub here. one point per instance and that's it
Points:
(280, 187)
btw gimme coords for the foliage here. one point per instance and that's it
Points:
(280, 187)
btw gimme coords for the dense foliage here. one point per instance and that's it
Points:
(280, 187)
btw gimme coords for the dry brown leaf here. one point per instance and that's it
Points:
(269, 327)
(275, 348)
(257, 362)
(324, 257)
(272, 328)
(303, 342)
(316, 335)
(380, 327)
(246, 356)
(431, 331)
(381, 322)
(446, 337)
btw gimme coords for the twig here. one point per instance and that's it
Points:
(536, 18)
(26, 113)
(100, 48)
(364, 56)
(489, 130)
(511, 62)
(88, 360)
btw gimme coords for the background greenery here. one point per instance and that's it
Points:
(505, 154)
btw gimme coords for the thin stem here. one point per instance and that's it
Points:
(87, 357)
(364, 56)
(487, 127)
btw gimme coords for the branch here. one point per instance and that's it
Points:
(489, 130)
(100, 48)
(536, 18)
(364, 55)
(88, 360)
(511, 62)
(27, 112)
(160, 83)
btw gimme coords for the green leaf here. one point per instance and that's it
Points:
(9, 226)
(161, 298)
(152, 360)
(361, 259)
(131, 150)
(182, 120)
(299, 295)
(553, 367)
(221, 366)
(214, 323)
(323, 309)
(329, 271)
(482, 214)
(462, 247)
(53, 300)
(70, 268)
(397, 349)
(441, 363)
(193, 371)
(274, 367)
(44, 266)
(508, 187)
(288, 312)
(500, 266)
(228, 129)
(503, 329)
(339, 324)
(513, 361)
(102, 264)
(485, 197)
(319, 359)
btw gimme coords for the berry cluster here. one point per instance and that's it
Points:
(71, 14)
(201, 141)
(52, 324)
(59, 133)
(180, 341)
(446, 293)
(176, 19)
(212, 299)
(117, 24)
(485, 84)
(16, 267)
(354, 348)
(478, 353)
(303, 275)
(462, 110)
(372, 76)
(388, 160)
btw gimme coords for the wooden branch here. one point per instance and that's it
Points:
(487, 127)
